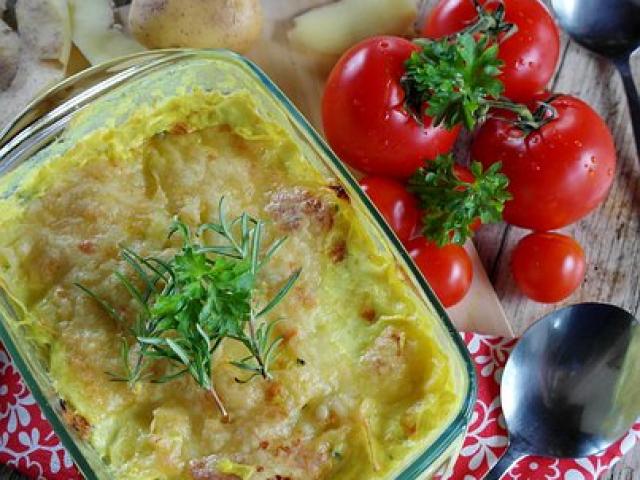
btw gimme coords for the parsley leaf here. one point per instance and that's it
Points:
(455, 78)
(452, 205)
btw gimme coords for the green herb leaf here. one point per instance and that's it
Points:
(281, 294)
(455, 78)
(113, 313)
(177, 349)
(451, 205)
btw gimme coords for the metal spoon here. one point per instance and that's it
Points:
(612, 29)
(571, 386)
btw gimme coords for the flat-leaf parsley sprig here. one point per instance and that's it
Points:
(455, 78)
(452, 205)
(193, 302)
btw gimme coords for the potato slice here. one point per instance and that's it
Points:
(45, 28)
(96, 35)
(9, 55)
(333, 28)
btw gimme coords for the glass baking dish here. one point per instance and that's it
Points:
(138, 80)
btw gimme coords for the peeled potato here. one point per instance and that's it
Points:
(45, 28)
(232, 24)
(95, 33)
(9, 55)
(331, 29)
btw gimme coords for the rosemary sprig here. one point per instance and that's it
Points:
(193, 302)
(452, 205)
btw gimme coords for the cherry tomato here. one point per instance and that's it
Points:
(448, 269)
(557, 174)
(530, 55)
(364, 117)
(399, 207)
(477, 223)
(548, 267)
(463, 173)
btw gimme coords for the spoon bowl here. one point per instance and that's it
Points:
(571, 385)
(610, 28)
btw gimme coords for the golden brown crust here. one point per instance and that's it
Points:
(179, 128)
(76, 421)
(292, 208)
(338, 252)
(340, 192)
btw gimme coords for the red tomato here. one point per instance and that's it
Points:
(448, 269)
(364, 117)
(477, 223)
(463, 173)
(548, 267)
(557, 174)
(399, 207)
(530, 55)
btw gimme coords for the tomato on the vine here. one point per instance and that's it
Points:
(548, 267)
(399, 207)
(557, 173)
(364, 115)
(530, 54)
(448, 269)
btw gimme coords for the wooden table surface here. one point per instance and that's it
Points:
(610, 235)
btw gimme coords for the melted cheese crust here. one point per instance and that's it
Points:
(361, 385)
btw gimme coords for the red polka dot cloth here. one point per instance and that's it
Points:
(28, 443)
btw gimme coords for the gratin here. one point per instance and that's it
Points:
(361, 385)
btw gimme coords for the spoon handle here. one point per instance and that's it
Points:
(510, 457)
(624, 67)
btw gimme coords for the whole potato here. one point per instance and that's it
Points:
(232, 24)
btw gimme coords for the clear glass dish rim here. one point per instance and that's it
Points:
(458, 424)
